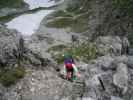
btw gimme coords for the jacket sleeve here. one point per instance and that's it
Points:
(75, 68)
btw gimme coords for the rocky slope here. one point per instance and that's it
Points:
(108, 77)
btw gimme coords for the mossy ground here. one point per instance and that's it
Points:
(10, 77)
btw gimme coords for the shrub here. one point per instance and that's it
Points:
(125, 6)
(19, 72)
(59, 58)
(9, 77)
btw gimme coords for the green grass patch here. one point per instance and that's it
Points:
(80, 24)
(11, 3)
(59, 58)
(10, 77)
(66, 18)
(57, 48)
(61, 19)
(83, 52)
(60, 23)
(59, 13)
(57, 52)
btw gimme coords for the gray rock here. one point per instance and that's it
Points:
(87, 98)
(120, 78)
(115, 98)
(105, 62)
(121, 59)
(109, 45)
(82, 66)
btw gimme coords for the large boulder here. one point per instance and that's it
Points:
(105, 62)
(11, 47)
(114, 75)
(109, 44)
(36, 54)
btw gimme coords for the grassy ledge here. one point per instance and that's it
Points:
(84, 52)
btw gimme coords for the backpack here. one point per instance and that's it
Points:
(68, 62)
(68, 66)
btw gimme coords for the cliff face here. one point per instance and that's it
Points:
(93, 18)
(106, 19)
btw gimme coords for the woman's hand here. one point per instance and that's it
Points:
(78, 75)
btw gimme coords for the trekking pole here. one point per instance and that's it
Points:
(101, 82)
